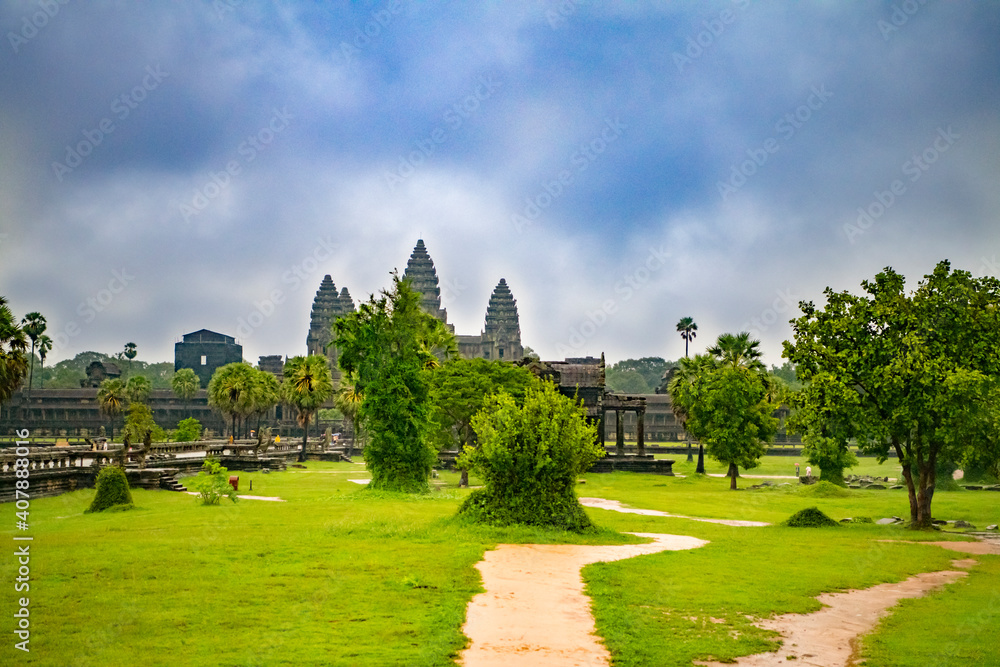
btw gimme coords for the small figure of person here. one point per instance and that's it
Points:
(809, 471)
(797, 470)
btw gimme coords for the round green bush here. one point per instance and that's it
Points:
(112, 490)
(810, 517)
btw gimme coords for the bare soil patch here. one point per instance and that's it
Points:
(534, 611)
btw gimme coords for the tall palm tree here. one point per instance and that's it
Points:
(231, 390)
(44, 347)
(13, 361)
(348, 400)
(308, 384)
(112, 399)
(687, 329)
(185, 384)
(738, 351)
(265, 394)
(130, 352)
(138, 389)
(683, 390)
(33, 326)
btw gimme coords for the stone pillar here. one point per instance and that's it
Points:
(640, 431)
(619, 433)
(603, 427)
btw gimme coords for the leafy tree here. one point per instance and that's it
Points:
(33, 326)
(212, 483)
(308, 385)
(265, 394)
(112, 398)
(688, 330)
(138, 389)
(460, 388)
(230, 391)
(822, 415)
(13, 343)
(529, 458)
(130, 353)
(112, 491)
(188, 430)
(626, 382)
(139, 421)
(530, 354)
(185, 385)
(787, 374)
(636, 376)
(682, 386)
(348, 401)
(916, 370)
(385, 347)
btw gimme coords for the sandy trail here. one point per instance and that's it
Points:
(615, 506)
(534, 611)
(826, 638)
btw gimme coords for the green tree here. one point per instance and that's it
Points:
(33, 326)
(682, 386)
(230, 391)
(688, 331)
(266, 393)
(917, 369)
(212, 483)
(738, 351)
(460, 388)
(348, 401)
(112, 398)
(385, 347)
(185, 385)
(188, 430)
(130, 353)
(529, 458)
(13, 361)
(44, 347)
(138, 422)
(822, 413)
(138, 389)
(112, 490)
(308, 385)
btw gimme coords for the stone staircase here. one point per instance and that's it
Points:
(170, 483)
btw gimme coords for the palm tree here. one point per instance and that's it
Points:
(307, 386)
(738, 351)
(683, 390)
(138, 388)
(687, 329)
(185, 384)
(112, 399)
(33, 326)
(130, 352)
(231, 389)
(348, 400)
(265, 394)
(13, 343)
(44, 347)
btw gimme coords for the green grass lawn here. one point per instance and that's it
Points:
(341, 576)
(783, 465)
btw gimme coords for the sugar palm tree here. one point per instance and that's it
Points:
(112, 399)
(130, 352)
(738, 351)
(265, 394)
(348, 400)
(13, 361)
(185, 384)
(44, 347)
(308, 384)
(230, 390)
(33, 326)
(138, 389)
(687, 329)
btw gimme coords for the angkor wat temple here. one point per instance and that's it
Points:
(499, 339)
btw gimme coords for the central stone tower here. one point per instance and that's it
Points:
(327, 307)
(501, 338)
(423, 278)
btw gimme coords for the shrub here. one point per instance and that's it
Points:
(112, 490)
(212, 483)
(825, 490)
(810, 517)
(188, 430)
(529, 458)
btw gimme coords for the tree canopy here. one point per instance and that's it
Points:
(636, 376)
(308, 385)
(909, 373)
(13, 361)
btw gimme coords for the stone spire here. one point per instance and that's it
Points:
(423, 277)
(327, 307)
(502, 333)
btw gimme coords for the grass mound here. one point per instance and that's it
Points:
(825, 490)
(810, 517)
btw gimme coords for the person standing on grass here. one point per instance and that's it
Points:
(796, 469)
(809, 472)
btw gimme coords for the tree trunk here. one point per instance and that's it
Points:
(733, 473)
(350, 443)
(911, 489)
(701, 459)
(463, 482)
(305, 439)
(690, 456)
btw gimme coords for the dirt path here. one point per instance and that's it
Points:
(534, 611)
(826, 638)
(615, 506)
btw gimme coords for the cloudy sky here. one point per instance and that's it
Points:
(167, 167)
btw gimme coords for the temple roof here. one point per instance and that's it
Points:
(501, 313)
(423, 278)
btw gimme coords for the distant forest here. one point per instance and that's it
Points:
(67, 373)
(643, 376)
